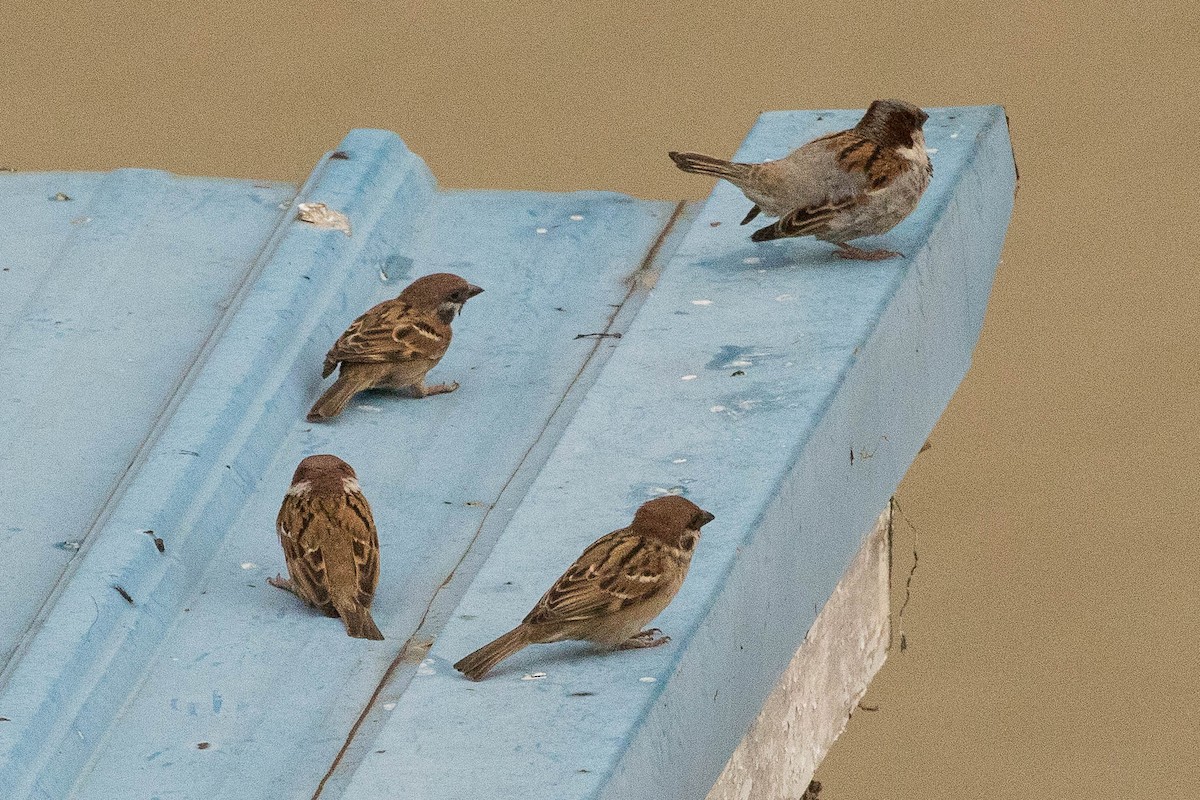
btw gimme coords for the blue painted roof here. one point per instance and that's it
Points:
(164, 341)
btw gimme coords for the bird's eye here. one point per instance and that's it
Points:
(688, 542)
(456, 296)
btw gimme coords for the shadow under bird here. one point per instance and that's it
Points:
(620, 583)
(858, 182)
(394, 344)
(330, 543)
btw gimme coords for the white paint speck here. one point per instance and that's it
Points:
(576, 217)
(752, 260)
(679, 461)
(717, 409)
(542, 230)
(702, 302)
(761, 271)
(248, 565)
(783, 298)
(931, 150)
(534, 676)
(954, 135)
(389, 706)
(741, 363)
(688, 378)
(426, 667)
(647, 679)
(366, 407)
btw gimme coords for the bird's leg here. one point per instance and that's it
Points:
(647, 638)
(421, 390)
(280, 582)
(853, 253)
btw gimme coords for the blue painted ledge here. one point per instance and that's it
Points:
(208, 683)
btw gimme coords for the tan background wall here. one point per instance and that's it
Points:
(1053, 626)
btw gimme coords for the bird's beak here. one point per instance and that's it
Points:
(473, 290)
(706, 518)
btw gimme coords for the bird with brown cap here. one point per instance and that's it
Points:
(619, 584)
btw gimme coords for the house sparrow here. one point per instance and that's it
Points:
(395, 343)
(620, 583)
(858, 182)
(330, 543)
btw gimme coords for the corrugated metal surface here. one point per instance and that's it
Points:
(211, 684)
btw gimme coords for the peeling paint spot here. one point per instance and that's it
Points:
(320, 215)
(576, 217)
(248, 565)
(534, 676)
(702, 302)
(647, 679)
(389, 706)
(541, 230)
(688, 378)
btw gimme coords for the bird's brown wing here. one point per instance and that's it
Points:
(805, 221)
(302, 549)
(619, 570)
(365, 540)
(390, 332)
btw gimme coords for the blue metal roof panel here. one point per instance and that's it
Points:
(211, 684)
(107, 296)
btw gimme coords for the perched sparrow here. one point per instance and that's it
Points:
(395, 343)
(330, 544)
(860, 182)
(620, 583)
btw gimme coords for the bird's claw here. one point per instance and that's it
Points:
(647, 638)
(440, 388)
(280, 582)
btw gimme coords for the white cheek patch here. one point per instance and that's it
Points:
(350, 485)
(299, 489)
(917, 152)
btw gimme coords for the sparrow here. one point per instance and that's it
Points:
(395, 343)
(330, 543)
(858, 182)
(620, 583)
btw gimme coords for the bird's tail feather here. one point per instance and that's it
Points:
(707, 165)
(334, 401)
(359, 622)
(479, 663)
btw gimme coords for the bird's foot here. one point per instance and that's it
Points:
(647, 638)
(280, 582)
(853, 253)
(437, 388)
